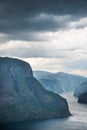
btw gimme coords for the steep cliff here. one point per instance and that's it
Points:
(22, 97)
(82, 88)
(83, 98)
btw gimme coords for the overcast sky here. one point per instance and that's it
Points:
(49, 34)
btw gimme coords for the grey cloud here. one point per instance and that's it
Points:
(18, 17)
(31, 7)
(25, 52)
(23, 29)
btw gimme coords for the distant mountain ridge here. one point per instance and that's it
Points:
(22, 97)
(59, 82)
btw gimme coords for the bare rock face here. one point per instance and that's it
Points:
(83, 98)
(22, 97)
(81, 89)
(81, 93)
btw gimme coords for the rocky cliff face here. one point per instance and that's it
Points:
(83, 98)
(81, 89)
(22, 97)
(81, 93)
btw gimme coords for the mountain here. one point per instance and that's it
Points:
(83, 98)
(22, 97)
(59, 82)
(81, 89)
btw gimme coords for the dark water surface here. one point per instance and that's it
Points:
(76, 122)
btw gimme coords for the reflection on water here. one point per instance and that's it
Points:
(76, 122)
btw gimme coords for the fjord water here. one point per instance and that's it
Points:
(78, 120)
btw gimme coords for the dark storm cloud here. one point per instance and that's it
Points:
(18, 17)
(30, 7)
